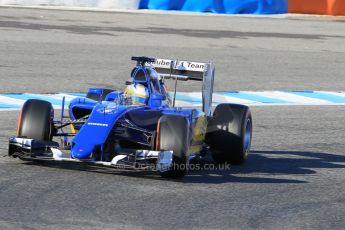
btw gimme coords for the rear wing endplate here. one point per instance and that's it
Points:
(192, 71)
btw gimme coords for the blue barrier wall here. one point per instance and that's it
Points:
(219, 6)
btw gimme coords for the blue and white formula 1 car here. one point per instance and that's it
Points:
(140, 127)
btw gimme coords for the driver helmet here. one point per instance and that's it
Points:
(138, 94)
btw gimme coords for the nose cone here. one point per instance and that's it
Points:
(81, 152)
(96, 129)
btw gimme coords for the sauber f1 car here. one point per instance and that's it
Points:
(138, 131)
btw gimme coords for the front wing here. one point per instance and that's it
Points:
(29, 149)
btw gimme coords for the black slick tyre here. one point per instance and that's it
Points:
(173, 134)
(229, 133)
(36, 120)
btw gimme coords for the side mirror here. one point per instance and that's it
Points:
(158, 97)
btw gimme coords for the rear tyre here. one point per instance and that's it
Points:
(36, 120)
(229, 133)
(172, 134)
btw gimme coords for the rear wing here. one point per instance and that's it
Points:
(187, 70)
(194, 70)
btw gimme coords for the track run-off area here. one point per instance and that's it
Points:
(294, 176)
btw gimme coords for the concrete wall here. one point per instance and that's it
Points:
(327, 7)
(105, 4)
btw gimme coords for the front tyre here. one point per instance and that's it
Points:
(36, 120)
(229, 133)
(173, 134)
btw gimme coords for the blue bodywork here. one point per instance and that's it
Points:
(112, 119)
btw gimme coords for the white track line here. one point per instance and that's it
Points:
(228, 99)
(193, 99)
(339, 94)
(9, 100)
(292, 98)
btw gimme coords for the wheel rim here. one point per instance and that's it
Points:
(248, 135)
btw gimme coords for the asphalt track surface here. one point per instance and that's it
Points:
(294, 179)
